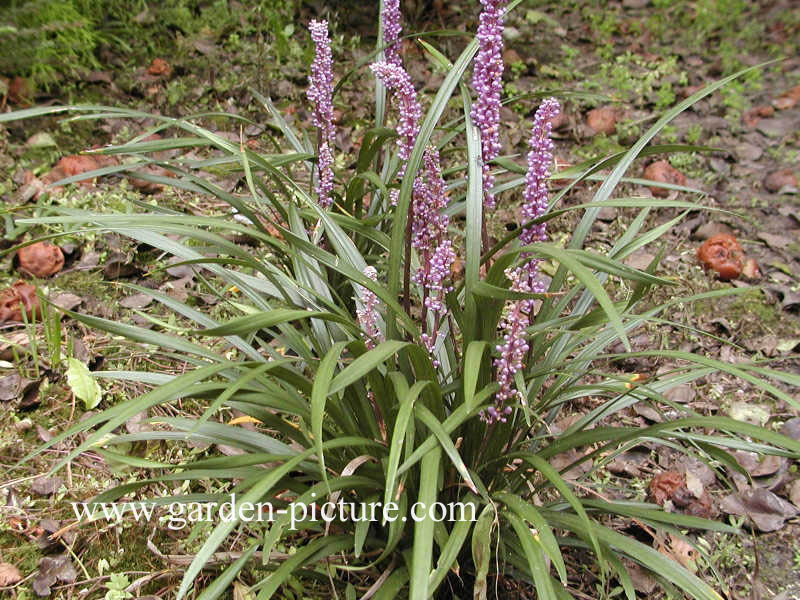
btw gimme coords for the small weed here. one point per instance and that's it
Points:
(693, 133)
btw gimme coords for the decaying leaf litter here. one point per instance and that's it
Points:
(751, 175)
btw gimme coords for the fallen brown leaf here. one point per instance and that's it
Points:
(767, 511)
(663, 485)
(9, 575)
(159, 67)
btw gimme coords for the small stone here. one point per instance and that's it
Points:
(682, 394)
(747, 151)
(788, 99)
(791, 428)
(46, 486)
(180, 270)
(67, 301)
(720, 165)
(607, 213)
(710, 229)
(136, 301)
(794, 493)
(640, 259)
(776, 242)
(776, 127)
(777, 180)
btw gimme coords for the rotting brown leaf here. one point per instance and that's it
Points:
(52, 570)
(767, 511)
(15, 299)
(46, 486)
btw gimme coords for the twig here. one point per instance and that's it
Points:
(379, 582)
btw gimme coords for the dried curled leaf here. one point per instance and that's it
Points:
(723, 254)
(16, 298)
(41, 259)
(767, 511)
(9, 575)
(52, 570)
(159, 67)
(663, 172)
(663, 485)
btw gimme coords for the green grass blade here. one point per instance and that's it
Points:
(422, 549)
(427, 417)
(535, 557)
(364, 364)
(319, 394)
(220, 585)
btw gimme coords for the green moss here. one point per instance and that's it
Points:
(20, 553)
(46, 39)
(748, 313)
(753, 305)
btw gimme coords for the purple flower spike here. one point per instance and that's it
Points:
(368, 314)
(524, 278)
(540, 158)
(396, 79)
(320, 94)
(488, 86)
(429, 239)
(390, 22)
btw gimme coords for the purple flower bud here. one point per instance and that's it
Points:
(524, 278)
(429, 239)
(540, 158)
(397, 80)
(368, 313)
(320, 94)
(390, 22)
(488, 86)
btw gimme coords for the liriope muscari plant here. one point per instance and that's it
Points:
(377, 372)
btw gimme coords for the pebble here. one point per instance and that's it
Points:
(746, 151)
